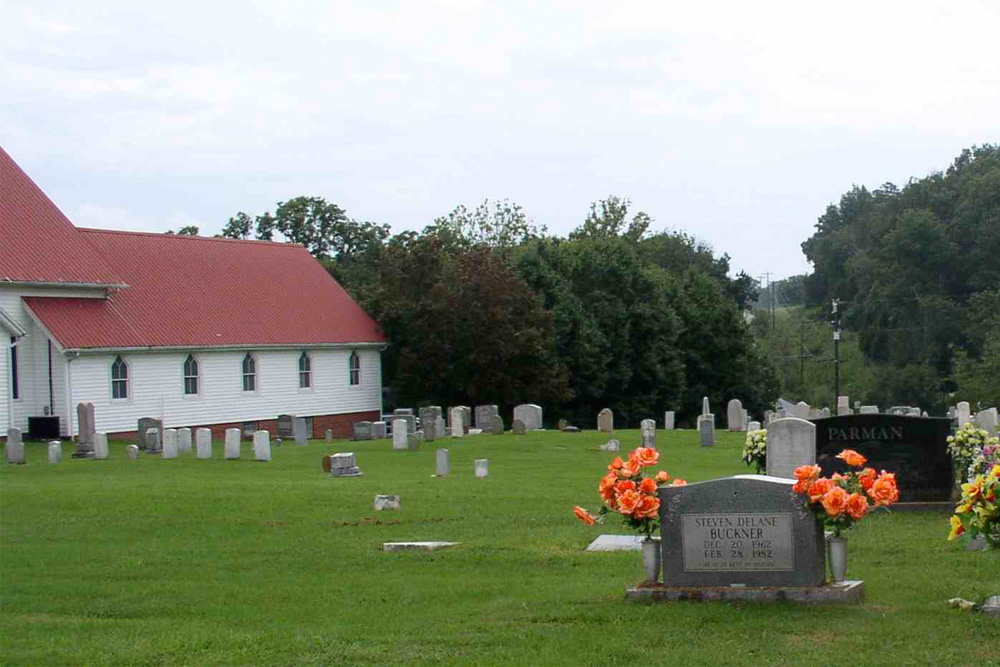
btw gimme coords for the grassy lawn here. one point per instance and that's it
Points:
(235, 562)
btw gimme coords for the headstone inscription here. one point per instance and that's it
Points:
(530, 415)
(484, 417)
(442, 463)
(169, 443)
(706, 428)
(399, 434)
(606, 421)
(497, 425)
(262, 446)
(749, 529)
(145, 424)
(183, 440)
(913, 448)
(302, 432)
(668, 420)
(15, 446)
(286, 426)
(55, 451)
(233, 443)
(203, 443)
(791, 442)
(647, 428)
(482, 468)
(363, 430)
(735, 417)
(100, 446)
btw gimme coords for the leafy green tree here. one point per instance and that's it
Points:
(499, 225)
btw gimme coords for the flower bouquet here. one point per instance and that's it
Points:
(755, 449)
(973, 451)
(979, 511)
(840, 501)
(626, 490)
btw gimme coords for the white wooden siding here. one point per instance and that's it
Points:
(156, 387)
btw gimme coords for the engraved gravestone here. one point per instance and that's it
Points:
(439, 427)
(647, 430)
(85, 422)
(801, 410)
(744, 530)
(413, 440)
(363, 430)
(302, 432)
(753, 426)
(343, 465)
(606, 421)
(987, 420)
(429, 414)
(153, 443)
(484, 417)
(145, 424)
(791, 442)
(286, 426)
(405, 414)
(430, 430)
(706, 428)
(705, 410)
(482, 468)
(530, 415)
(668, 420)
(735, 417)
(456, 419)
(329, 436)
(132, 452)
(379, 430)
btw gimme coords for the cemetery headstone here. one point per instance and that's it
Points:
(753, 426)
(430, 430)
(399, 434)
(233, 443)
(815, 413)
(203, 443)
(169, 443)
(611, 446)
(987, 420)
(735, 417)
(482, 468)
(963, 413)
(100, 446)
(706, 429)
(413, 440)
(518, 427)
(668, 420)
(914, 412)
(466, 417)
(530, 415)
(85, 423)
(363, 430)
(497, 425)
(145, 424)
(429, 415)
(484, 417)
(154, 444)
(456, 419)
(647, 429)
(286, 426)
(132, 452)
(843, 406)
(385, 502)
(869, 410)
(15, 446)
(439, 426)
(914, 449)
(801, 410)
(405, 414)
(443, 463)
(825, 413)
(329, 436)
(605, 421)
(705, 411)
(791, 442)
(55, 451)
(183, 440)
(301, 432)
(379, 431)
(768, 416)
(262, 446)
(744, 530)
(344, 465)
(562, 424)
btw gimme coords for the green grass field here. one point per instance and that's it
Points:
(236, 562)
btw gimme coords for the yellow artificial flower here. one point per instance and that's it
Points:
(956, 528)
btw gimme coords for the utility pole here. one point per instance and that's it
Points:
(836, 350)
(802, 352)
(767, 276)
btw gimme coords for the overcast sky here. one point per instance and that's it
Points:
(736, 122)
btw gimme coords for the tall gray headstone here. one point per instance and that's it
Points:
(399, 434)
(745, 530)
(668, 420)
(286, 426)
(233, 443)
(85, 423)
(262, 445)
(843, 406)
(735, 417)
(329, 436)
(484, 417)
(964, 413)
(183, 440)
(203, 443)
(791, 443)
(55, 451)
(456, 421)
(430, 430)
(530, 415)
(705, 407)
(987, 420)
(101, 446)
(439, 427)
(706, 428)
(429, 414)
(15, 446)
(145, 424)
(443, 461)
(605, 421)
(301, 432)
(647, 429)
(801, 410)
(496, 427)
(169, 443)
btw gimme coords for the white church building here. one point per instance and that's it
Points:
(195, 331)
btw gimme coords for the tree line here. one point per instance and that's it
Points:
(485, 306)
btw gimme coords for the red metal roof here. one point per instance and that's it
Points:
(191, 291)
(38, 243)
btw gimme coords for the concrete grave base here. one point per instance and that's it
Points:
(847, 592)
(416, 546)
(616, 543)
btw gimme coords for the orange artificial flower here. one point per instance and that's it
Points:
(662, 477)
(584, 516)
(616, 464)
(624, 485)
(867, 478)
(837, 477)
(802, 486)
(648, 486)
(607, 488)
(884, 491)
(819, 488)
(647, 456)
(648, 508)
(857, 506)
(835, 501)
(807, 472)
(629, 502)
(633, 462)
(678, 482)
(852, 458)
